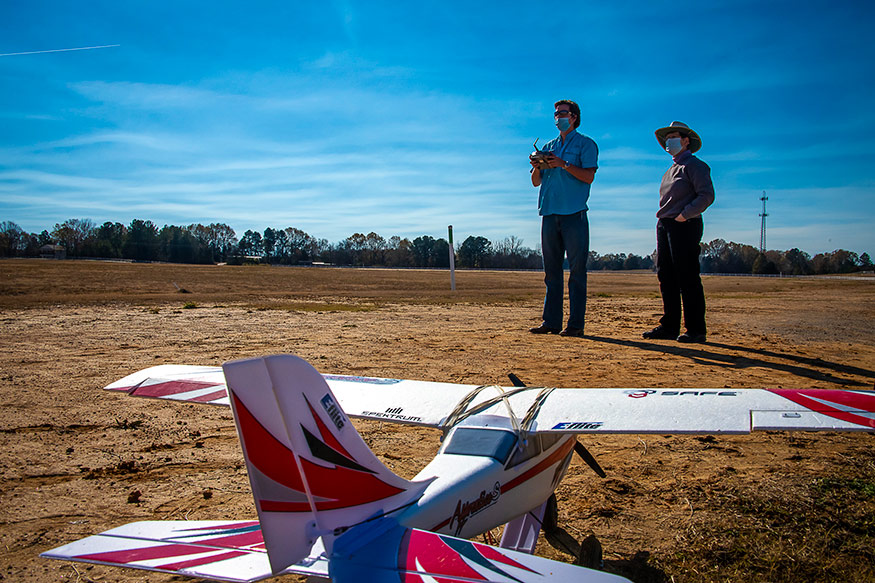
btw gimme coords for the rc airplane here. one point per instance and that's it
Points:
(328, 508)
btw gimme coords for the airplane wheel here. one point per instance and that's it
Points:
(551, 515)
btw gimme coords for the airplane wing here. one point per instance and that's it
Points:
(213, 549)
(402, 401)
(233, 551)
(673, 411)
(177, 382)
(617, 410)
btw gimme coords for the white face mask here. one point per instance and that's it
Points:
(673, 146)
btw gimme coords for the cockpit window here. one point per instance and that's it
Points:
(527, 450)
(549, 439)
(494, 443)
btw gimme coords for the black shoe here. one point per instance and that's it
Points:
(569, 331)
(544, 329)
(691, 338)
(660, 333)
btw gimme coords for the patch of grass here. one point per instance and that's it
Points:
(841, 486)
(189, 305)
(34, 282)
(820, 529)
(315, 307)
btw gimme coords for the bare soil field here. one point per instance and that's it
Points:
(763, 507)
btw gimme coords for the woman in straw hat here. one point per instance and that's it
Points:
(686, 191)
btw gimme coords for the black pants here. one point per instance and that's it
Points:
(677, 268)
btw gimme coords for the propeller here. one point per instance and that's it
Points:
(515, 380)
(579, 448)
(584, 454)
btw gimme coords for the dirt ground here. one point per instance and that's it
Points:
(764, 507)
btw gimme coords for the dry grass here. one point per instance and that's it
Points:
(99, 282)
(38, 283)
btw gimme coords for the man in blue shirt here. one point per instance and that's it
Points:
(684, 194)
(564, 174)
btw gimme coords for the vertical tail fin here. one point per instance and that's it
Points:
(311, 473)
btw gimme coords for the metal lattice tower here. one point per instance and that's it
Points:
(763, 214)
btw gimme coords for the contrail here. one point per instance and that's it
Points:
(58, 50)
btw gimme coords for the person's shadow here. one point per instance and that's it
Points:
(794, 364)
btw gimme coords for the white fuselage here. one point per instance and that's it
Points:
(483, 477)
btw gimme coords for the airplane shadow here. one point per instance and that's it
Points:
(635, 568)
(638, 569)
(794, 364)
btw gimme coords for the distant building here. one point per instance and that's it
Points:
(53, 252)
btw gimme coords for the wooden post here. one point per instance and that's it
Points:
(452, 260)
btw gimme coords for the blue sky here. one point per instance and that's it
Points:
(350, 116)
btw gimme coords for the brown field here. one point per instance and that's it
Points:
(764, 507)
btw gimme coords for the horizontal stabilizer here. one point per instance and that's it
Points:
(418, 556)
(218, 550)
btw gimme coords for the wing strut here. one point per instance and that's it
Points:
(529, 419)
(462, 412)
(533, 411)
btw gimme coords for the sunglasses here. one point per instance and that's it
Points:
(562, 113)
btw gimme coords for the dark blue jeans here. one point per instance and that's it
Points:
(561, 235)
(677, 269)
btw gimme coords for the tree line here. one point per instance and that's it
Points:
(218, 243)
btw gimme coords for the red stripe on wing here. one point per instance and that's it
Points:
(201, 561)
(210, 397)
(126, 556)
(494, 554)
(434, 556)
(838, 401)
(251, 538)
(168, 388)
(245, 539)
(231, 526)
(414, 578)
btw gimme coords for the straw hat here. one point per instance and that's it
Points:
(684, 130)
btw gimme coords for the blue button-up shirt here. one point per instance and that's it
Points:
(561, 193)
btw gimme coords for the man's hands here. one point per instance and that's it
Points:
(583, 174)
(555, 161)
(549, 159)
